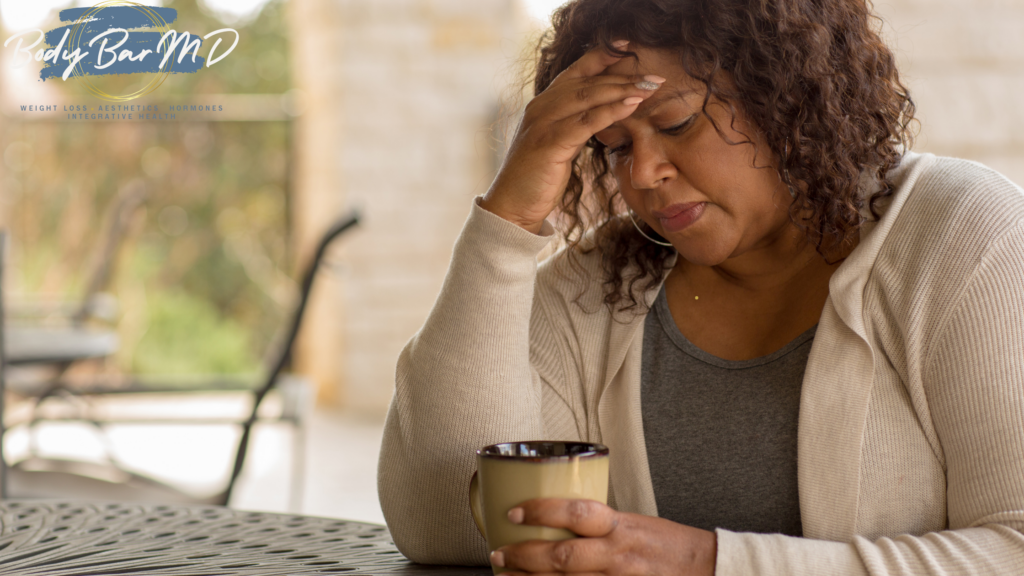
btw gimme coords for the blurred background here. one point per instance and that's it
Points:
(185, 238)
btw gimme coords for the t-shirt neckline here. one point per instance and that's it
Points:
(668, 324)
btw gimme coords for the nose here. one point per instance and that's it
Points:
(650, 165)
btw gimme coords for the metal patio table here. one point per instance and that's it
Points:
(64, 538)
(43, 345)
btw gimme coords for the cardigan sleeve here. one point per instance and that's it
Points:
(464, 381)
(974, 383)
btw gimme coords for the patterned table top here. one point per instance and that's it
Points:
(64, 538)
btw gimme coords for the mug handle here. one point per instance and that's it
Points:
(476, 504)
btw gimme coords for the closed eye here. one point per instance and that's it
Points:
(619, 149)
(671, 131)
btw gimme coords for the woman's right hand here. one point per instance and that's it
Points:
(556, 125)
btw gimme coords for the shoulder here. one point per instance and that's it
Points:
(572, 278)
(949, 215)
(961, 197)
(946, 210)
(583, 275)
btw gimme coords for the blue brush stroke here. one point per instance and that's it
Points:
(130, 19)
(117, 17)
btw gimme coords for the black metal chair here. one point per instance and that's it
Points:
(54, 478)
(56, 336)
(3, 367)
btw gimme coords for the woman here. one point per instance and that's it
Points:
(801, 343)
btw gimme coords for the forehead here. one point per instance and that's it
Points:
(657, 61)
(664, 63)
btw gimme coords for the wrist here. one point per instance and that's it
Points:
(701, 556)
(489, 203)
(710, 554)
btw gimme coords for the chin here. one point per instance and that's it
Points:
(702, 254)
(702, 258)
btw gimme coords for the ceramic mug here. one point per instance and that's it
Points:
(511, 473)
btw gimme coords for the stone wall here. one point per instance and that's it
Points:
(964, 64)
(400, 99)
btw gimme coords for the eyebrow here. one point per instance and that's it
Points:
(652, 104)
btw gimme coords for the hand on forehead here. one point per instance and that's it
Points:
(648, 61)
(659, 62)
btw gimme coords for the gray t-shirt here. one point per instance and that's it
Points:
(721, 434)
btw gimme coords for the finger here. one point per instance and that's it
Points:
(587, 518)
(581, 126)
(573, 555)
(616, 79)
(595, 61)
(569, 101)
(552, 574)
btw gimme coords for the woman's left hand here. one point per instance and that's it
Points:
(612, 543)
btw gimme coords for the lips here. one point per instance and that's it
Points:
(679, 216)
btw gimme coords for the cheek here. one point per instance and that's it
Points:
(725, 172)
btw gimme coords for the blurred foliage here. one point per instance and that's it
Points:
(202, 278)
(193, 337)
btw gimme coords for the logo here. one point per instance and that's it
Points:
(118, 37)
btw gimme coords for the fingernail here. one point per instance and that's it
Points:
(655, 79)
(647, 85)
(498, 559)
(515, 515)
(631, 101)
(620, 44)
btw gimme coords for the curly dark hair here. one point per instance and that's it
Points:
(812, 75)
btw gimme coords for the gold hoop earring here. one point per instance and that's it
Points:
(629, 212)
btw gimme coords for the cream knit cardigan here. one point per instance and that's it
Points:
(911, 430)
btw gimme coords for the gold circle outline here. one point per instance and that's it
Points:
(154, 17)
(77, 31)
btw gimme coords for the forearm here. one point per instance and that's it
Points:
(992, 550)
(464, 381)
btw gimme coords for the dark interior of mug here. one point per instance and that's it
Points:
(544, 449)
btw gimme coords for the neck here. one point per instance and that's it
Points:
(774, 264)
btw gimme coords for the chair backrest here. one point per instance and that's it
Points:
(118, 219)
(285, 351)
(3, 367)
